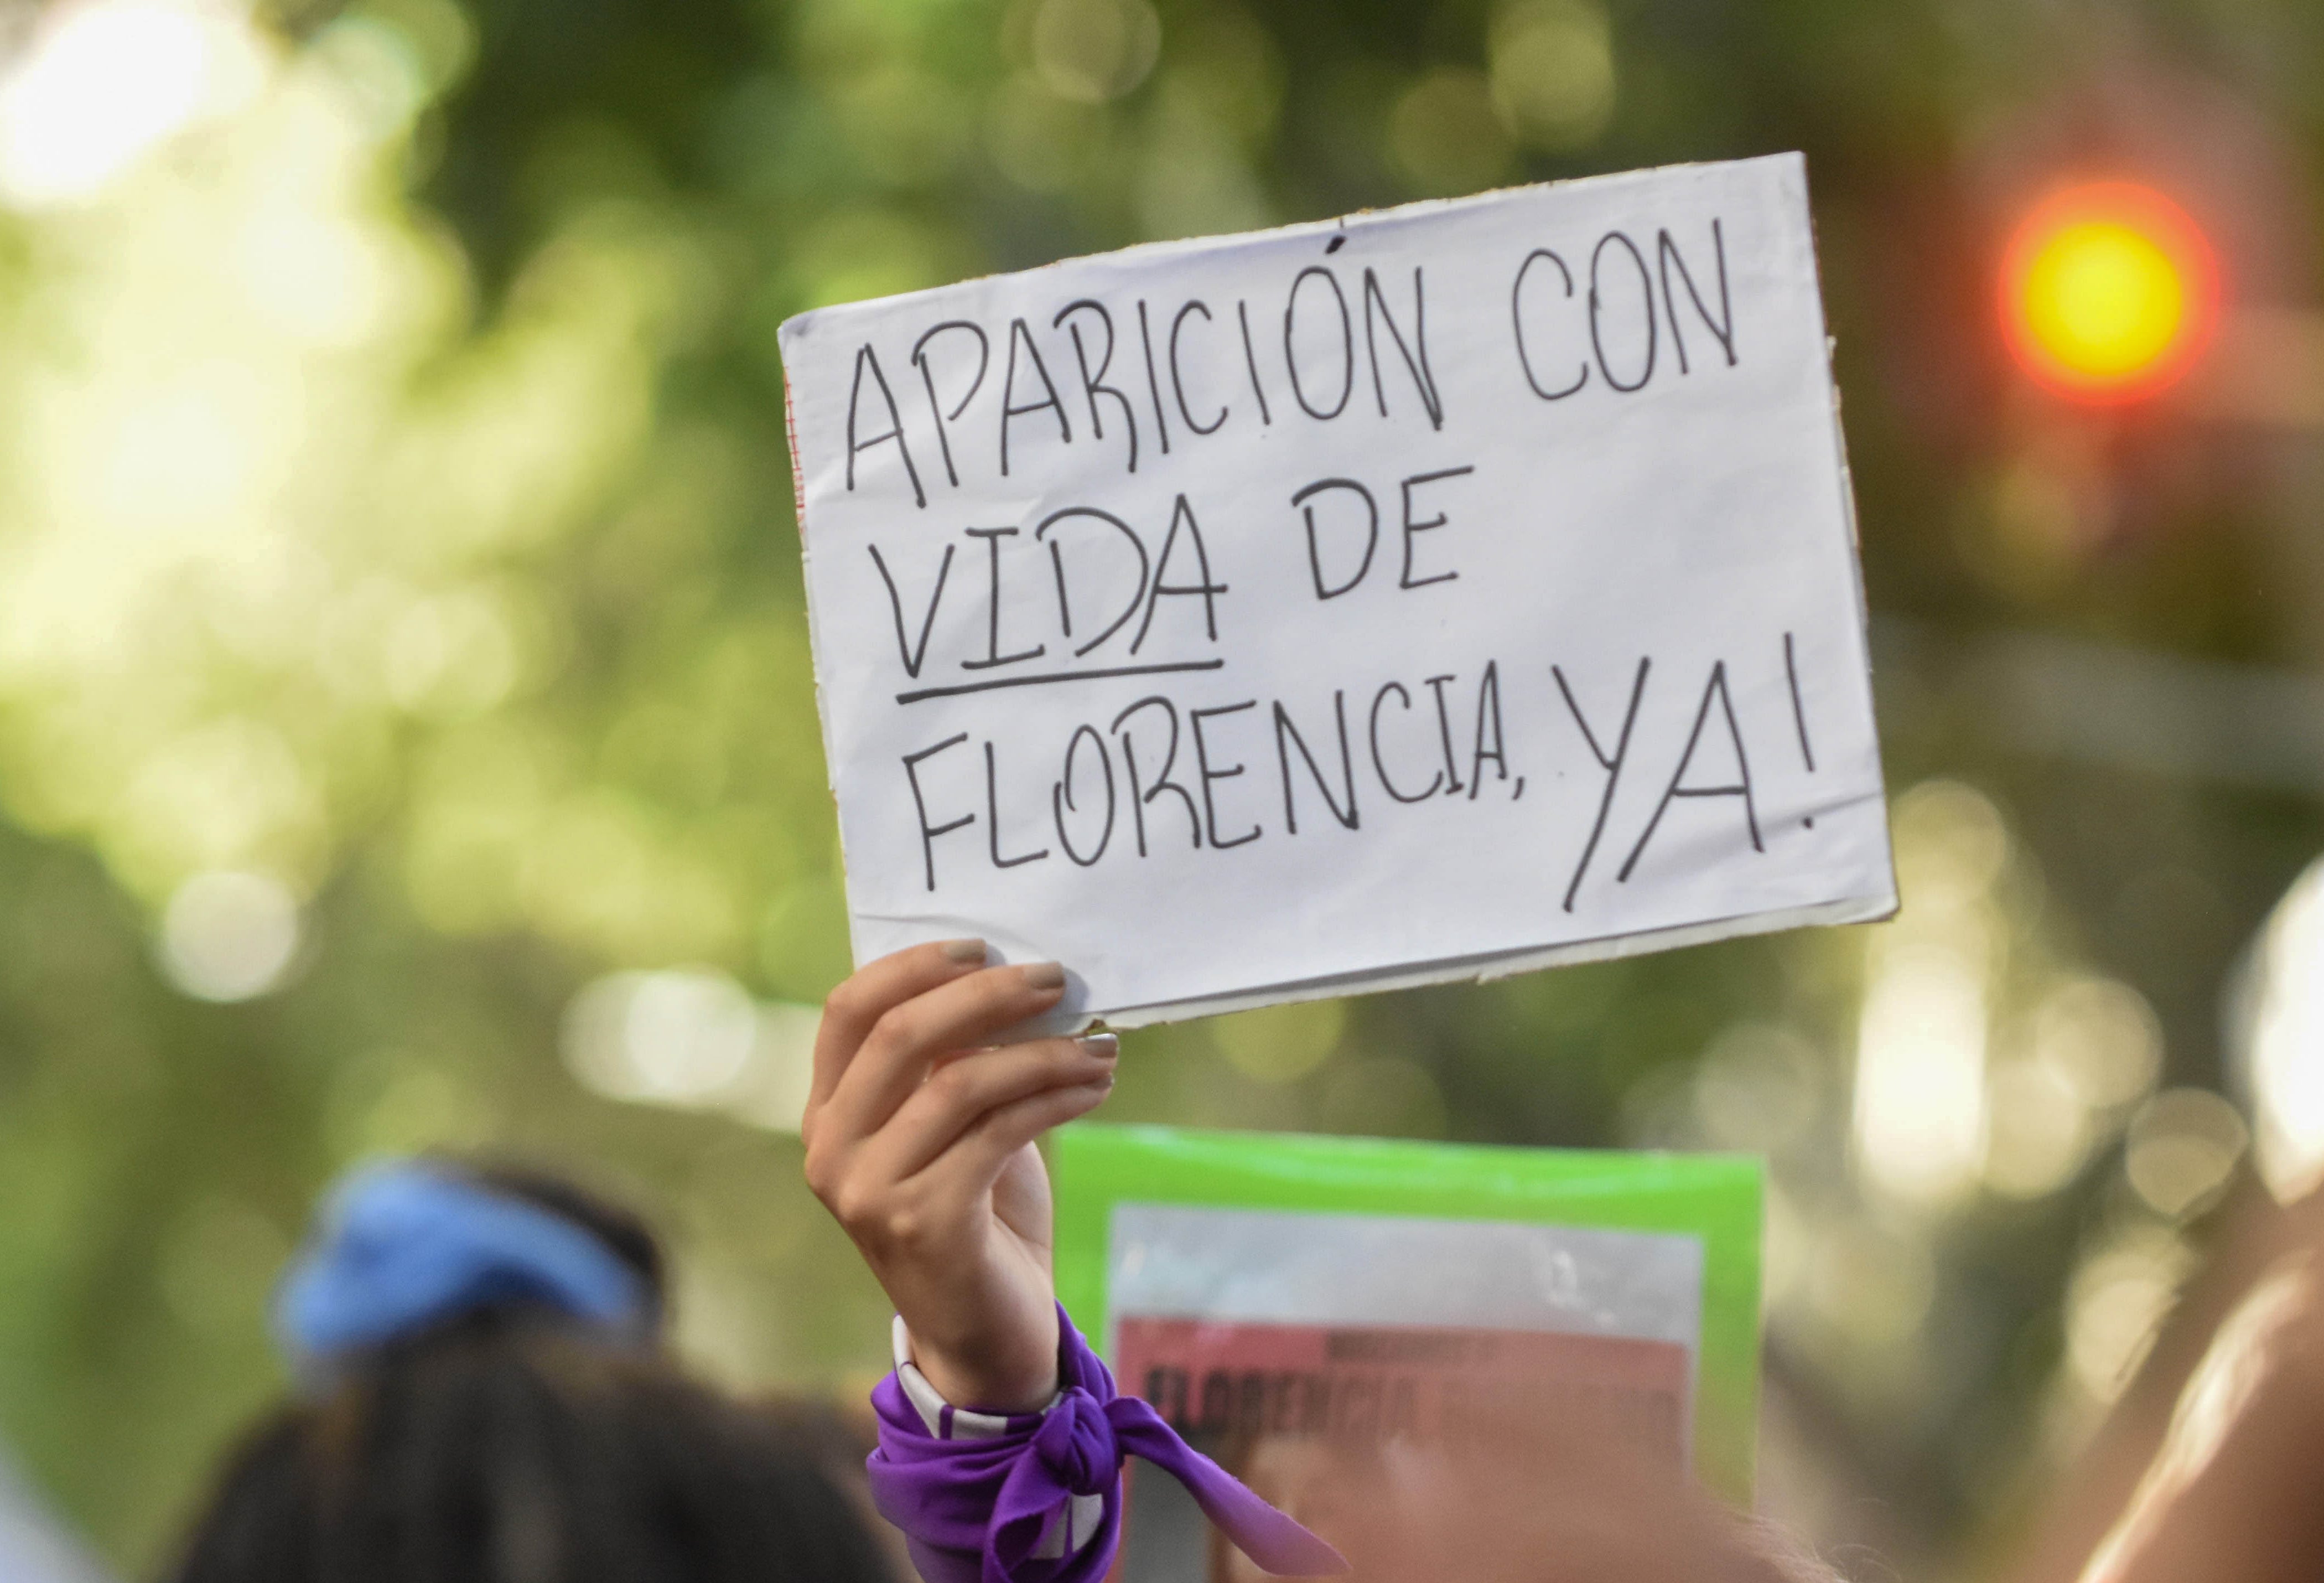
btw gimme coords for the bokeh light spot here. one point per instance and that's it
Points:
(2116, 1304)
(2038, 1130)
(229, 936)
(105, 81)
(2108, 292)
(2182, 1149)
(2281, 1038)
(676, 1037)
(1092, 50)
(1553, 72)
(2103, 1038)
(692, 1038)
(1920, 1073)
(1444, 136)
(1281, 1044)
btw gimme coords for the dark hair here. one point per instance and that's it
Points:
(512, 1445)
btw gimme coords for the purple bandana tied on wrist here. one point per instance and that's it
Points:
(996, 1508)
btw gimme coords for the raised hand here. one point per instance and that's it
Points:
(919, 1139)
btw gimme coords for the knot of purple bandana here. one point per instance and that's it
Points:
(997, 1507)
(1076, 1443)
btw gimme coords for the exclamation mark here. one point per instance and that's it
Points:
(1799, 714)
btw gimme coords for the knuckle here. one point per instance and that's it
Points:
(913, 1222)
(853, 1208)
(953, 1083)
(898, 1026)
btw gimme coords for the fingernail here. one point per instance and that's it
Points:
(964, 950)
(1044, 976)
(1104, 1046)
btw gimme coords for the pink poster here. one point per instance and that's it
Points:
(1307, 1414)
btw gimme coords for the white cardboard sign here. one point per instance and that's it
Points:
(1431, 594)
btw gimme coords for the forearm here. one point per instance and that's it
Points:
(2234, 1492)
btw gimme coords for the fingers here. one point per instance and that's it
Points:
(895, 1055)
(963, 1092)
(969, 1167)
(871, 991)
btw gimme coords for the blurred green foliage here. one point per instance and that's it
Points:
(395, 505)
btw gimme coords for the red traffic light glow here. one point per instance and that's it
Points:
(2109, 293)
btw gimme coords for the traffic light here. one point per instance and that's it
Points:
(2109, 293)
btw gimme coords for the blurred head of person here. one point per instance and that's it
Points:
(482, 1396)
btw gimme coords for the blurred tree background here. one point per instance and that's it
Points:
(407, 736)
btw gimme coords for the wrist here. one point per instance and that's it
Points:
(1021, 1379)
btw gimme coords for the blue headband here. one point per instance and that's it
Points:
(398, 1248)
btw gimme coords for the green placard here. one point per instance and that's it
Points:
(1714, 1198)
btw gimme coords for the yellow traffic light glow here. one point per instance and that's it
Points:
(2109, 293)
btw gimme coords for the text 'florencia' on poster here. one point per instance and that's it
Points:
(1440, 592)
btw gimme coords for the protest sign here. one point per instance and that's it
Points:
(1262, 1290)
(1367, 1326)
(1427, 594)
